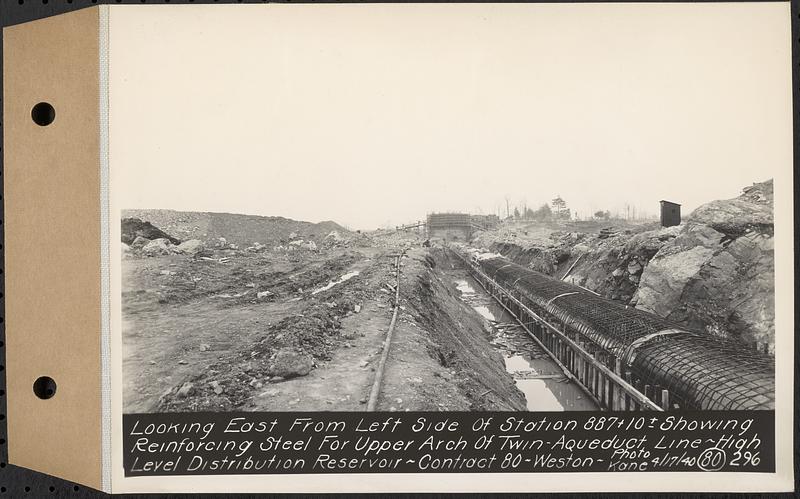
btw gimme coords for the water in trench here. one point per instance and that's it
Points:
(534, 372)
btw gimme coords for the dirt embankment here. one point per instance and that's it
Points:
(465, 372)
(714, 272)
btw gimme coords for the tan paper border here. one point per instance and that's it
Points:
(52, 236)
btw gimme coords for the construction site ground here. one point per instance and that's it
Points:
(303, 330)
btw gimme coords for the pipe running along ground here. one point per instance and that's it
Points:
(387, 343)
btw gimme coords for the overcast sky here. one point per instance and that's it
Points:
(378, 114)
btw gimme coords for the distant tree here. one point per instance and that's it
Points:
(560, 210)
(542, 213)
(516, 213)
(605, 215)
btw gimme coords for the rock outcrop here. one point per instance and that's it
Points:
(718, 274)
(713, 273)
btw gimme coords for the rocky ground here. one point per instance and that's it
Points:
(714, 272)
(296, 321)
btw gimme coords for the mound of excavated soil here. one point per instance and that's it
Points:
(458, 338)
(241, 230)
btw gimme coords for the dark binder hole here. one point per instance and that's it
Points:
(44, 387)
(43, 114)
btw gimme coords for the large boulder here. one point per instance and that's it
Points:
(289, 363)
(161, 246)
(191, 246)
(662, 283)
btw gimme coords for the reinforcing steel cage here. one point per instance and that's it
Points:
(624, 358)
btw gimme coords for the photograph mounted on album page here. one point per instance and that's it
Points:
(402, 248)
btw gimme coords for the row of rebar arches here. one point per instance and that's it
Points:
(700, 370)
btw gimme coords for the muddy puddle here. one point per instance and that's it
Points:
(534, 372)
(331, 284)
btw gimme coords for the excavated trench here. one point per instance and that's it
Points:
(535, 374)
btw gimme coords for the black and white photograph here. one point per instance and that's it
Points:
(520, 209)
(353, 247)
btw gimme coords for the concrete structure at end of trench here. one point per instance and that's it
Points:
(449, 226)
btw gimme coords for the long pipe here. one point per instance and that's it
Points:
(387, 343)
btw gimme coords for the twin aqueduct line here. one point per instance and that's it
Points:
(623, 358)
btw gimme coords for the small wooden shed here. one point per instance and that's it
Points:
(670, 213)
